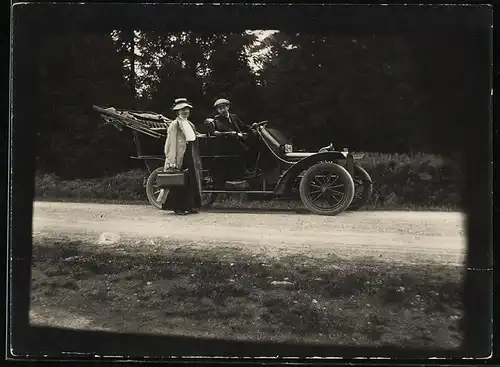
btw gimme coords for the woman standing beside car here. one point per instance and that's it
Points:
(181, 153)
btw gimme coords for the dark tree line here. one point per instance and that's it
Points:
(381, 93)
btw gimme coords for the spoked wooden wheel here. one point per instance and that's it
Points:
(153, 191)
(363, 188)
(326, 189)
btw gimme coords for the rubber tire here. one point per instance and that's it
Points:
(149, 189)
(343, 175)
(367, 189)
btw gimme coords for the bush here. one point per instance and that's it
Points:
(420, 179)
(123, 186)
(399, 180)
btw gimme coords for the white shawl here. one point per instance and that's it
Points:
(180, 131)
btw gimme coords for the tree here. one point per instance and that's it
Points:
(383, 93)
(230, 75)
(352, 89)
(77, 71)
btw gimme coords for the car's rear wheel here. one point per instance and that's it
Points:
(326, 189)
(153, 191)
(363, 188)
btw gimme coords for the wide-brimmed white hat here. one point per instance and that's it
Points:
(221, 101)
(181, 103)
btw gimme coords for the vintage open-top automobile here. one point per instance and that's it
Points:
(262, 164)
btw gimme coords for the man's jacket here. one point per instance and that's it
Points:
(233, 123)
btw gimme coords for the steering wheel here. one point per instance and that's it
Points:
(255, 125)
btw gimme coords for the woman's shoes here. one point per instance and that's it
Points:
(186, 212)
(181, 212)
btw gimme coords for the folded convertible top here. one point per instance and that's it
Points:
(148, 123)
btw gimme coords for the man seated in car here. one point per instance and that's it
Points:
(225, 121)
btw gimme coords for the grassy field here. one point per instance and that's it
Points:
(408, 182)
(230, 293)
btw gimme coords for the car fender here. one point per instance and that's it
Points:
(364, 175)
(292, 172)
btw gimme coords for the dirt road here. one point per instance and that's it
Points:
(411, 237)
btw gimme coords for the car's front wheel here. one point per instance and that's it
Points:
(326, 189)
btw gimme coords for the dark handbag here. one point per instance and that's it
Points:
(172, 179)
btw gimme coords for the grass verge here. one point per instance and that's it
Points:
(229, 293)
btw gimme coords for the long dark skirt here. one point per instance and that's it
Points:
(187, 197)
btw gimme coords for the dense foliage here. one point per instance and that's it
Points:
(369, 93)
